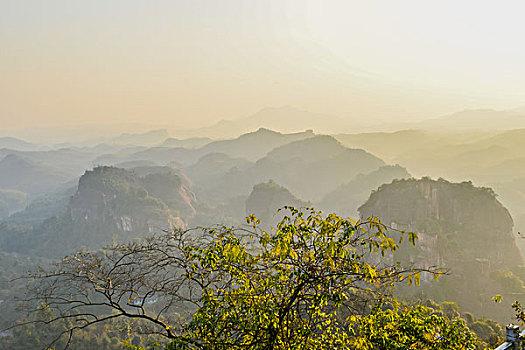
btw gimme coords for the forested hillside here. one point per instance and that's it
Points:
(262, 175)
(462, 229)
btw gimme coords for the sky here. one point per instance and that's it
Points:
(190, 63)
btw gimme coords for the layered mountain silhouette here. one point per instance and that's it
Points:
(109, 204)
(19, 173)
(285, 119)
(13, 143)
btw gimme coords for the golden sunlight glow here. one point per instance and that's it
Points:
(191, 63)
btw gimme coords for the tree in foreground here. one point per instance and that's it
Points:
(315, 282)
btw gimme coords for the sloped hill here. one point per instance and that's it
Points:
(506, 170)
(310, 168)
(148, 138)
(254, 145)
(311, 149)
(267, 198)
(10, 201)
(346, 199)
(71, 161)
(251, 146)
(17, 144)
(164, 155)
(489, 119)
(193, 142)
(509, 139)
(213, 166)
(22, 174)
(315, 166)
(387, 145)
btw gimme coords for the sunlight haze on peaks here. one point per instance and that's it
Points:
(189, 64)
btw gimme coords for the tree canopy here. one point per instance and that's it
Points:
(313, 282)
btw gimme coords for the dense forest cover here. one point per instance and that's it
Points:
(311, 283)
(143, 197)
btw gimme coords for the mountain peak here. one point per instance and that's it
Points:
(266, 131)
(283, 119)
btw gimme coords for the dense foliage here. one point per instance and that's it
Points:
(418, 327)
(314, 282)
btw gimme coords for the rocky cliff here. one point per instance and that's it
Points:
(463, 230)
(122, 198)
(110, 204)
(459, 221)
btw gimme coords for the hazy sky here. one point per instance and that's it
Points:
(190, 63)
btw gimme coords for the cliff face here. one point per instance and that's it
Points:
(456, 222)
(123, 200)
(110, 204)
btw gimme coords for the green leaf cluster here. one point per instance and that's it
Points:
(304, 285)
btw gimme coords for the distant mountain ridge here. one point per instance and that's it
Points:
(17, 144)
(285, 119)
(192, 142)
(20, 173)
(148, 138)
(252, 146)
(309, 168)
(490, 119)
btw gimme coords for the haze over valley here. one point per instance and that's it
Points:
(261, 174)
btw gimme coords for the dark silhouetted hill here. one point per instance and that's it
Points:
(267, 198)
